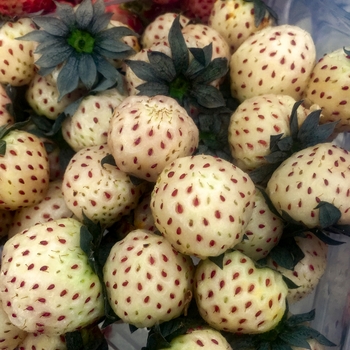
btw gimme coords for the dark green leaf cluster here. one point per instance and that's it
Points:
(184, 79)
(287, 253)
(310, 133)
(81, 44)
(292, 331)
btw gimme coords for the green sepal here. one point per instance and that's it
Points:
(165, 66)
(328, 213)
(179, 50)
(68, 80)
(52, 25)
(347, 52)
(218, 260)
(323, 235)
(66, 13)
(87, 70)
(153, 89)
(145, 71)
(108, 159)
(84, 14)
(53, 57)
(216, 69)
(289, 283)
(207, 96)
(74, 340)
(202, 56)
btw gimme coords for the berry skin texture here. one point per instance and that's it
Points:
(10, 335)
(314, 174)
(52, 207)
(5, 116)
(147, 133)
(42, 96)
(147, 281)
(276, 60)
(103, 192)
(240, 297)
(307, 273)
(46, 283)
(234, 20)
(24, 171)
(36, 341)
(88, 126)
(16, 56)
(200, 338)
(263, 231)
(202, 204)
(159, 28)
(329, 88)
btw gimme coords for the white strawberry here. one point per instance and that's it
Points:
(148, 282)
(202, 204)
(10, 335)
(275, 60)
(254, 122)
(143, 218)
(46, 283)
(329, 88)
(236, 20)
(37, 341)
(159, 28)
(263, 231)
(314, 174)
(308, 271)
(52, 207)
(240, 297)
(24, 170)
(147, 133)
(17, 60)
(5, 116)
(43, 96)
(200, 338)
(88, 126)
(103, 192)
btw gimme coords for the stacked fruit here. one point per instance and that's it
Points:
(182, 179)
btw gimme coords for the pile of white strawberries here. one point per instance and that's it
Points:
(132, 220)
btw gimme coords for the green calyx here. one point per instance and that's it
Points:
(310, 133)
(184, 79)
(81, 41)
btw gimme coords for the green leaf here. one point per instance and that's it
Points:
(179, 50)
(295, 338)
(328, 213)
